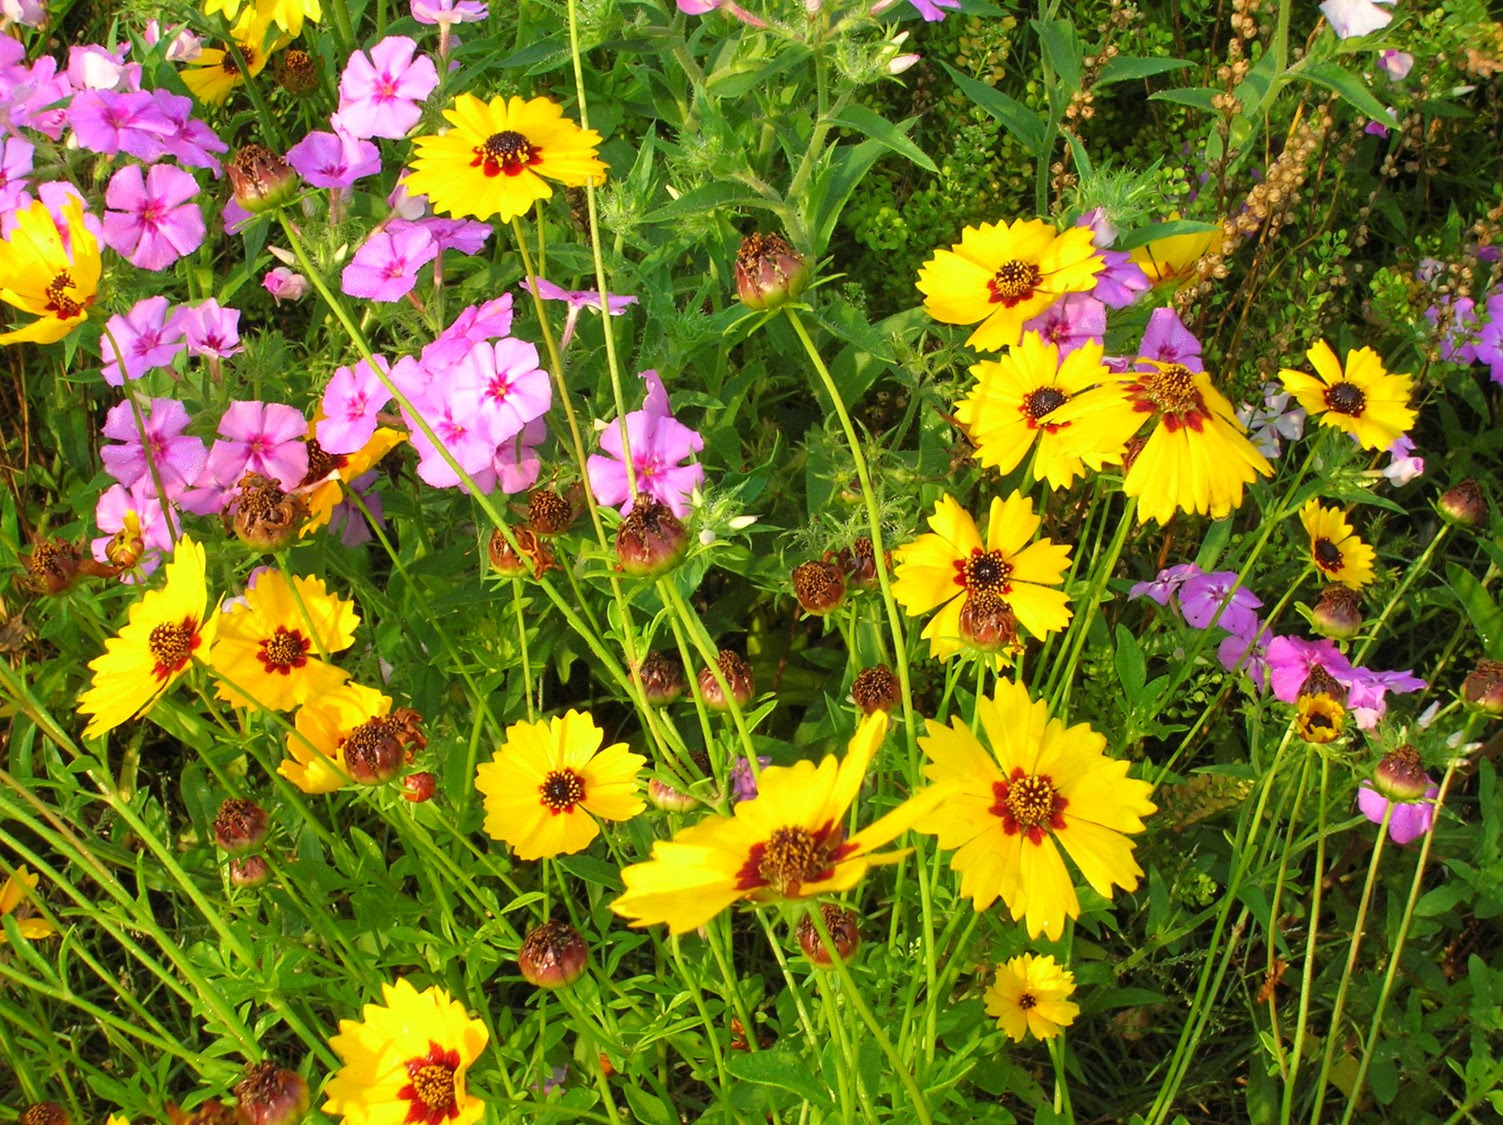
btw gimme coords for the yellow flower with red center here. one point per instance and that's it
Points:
(166, 631)
(323, 727)
(499, 156)
(12, 895)
(270, 649)
(1003, 274)
(215, 72)
(551, 781)
(1363, 399)
(405, 1061)
(49, 272)
(789, 843)
(1043, 787)
(982, 589)
(1319, 717)
(1032, 994)
(1335, 548)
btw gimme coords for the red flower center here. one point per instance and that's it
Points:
(1327, 555)
(58, 300)
(1014, 282)
(1028, 803)
(171, 647)
(793, 856)
(561, 791)
(1173, 394)
(1346, 398)
(506, 152)
(984, 572)
(283, 651)
(432, 1089)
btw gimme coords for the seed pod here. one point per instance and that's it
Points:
(738, 678)
(260, 180)
(819, 587)
(662, 678)
(875, 689)
(844, 930)
(553, 955)
(271, 1095)
(240, 826)
(651, 539)
(769, 272)
(1338, 614)
(1465, 504)
(1400, 775)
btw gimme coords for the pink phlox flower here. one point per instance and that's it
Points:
(27, 13)
(659, 444)
(154, 220)
(1247, 651)
(1070, 322)
(15, 169)
(334, 160)
(1167, 584)
(1167, 340)
(1119, 284)
(118, 507)
(934, 10)
(1403, 466)
(379, 92)
(210, 330)
(385, 268)
(1202, 595)
(1367, 691)
(182, 46)
(474, 324)
(92, 67)
(107, 122)
(448, 12)
(42, 101)
(405, 205)
(1410, 819)
(513, 389)
(736, 11)
(179, 457)
(465, 235)
(1460, 342)
(579, 298)
(259, 437)
(1351, 18)
(1396, 64)
(516, 466)
(1489, 346)
(454, 418)
(351, 402)
(1274, 422)
(192, 142)
(744, 781)
(146, 338)
(285, 284)
(1292, 659)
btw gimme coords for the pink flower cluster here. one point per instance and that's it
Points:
(150, 336)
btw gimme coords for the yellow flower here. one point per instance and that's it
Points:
(214, 73)
(952, 569)
(1042, 787)
(269, 648)
(497, 158)
(550, 781)
(1335, 549)
(329, 473)
(51, 273)
(323, 726)
(1032, 994)
(286, 14)
(789, 843)
(1318, 717)
(1364, 400)
(116, 1119)
(1003, 275)
(1014, 401)
(1197, 458)
(12, 895)
(165, 631)
(1174, 258)
(405, 1061)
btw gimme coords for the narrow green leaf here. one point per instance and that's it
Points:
(1062, 48)
(1350, 87)
(782, 1069)
(1025, 125)
(1154, 231)
(884, 132)
(1126, 68)
(1198, 97)
(1478, 608)
(709, 197)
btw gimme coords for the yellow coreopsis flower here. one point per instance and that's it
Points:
(789, 843)
(1335, 549)
(551, 781)
(1319, 717)
(1004, 274)
(982, 589)
(286, 14)
(1043, 786)
(214, 73)
(51, 273)
(499, 156)
(1364, 399)
(166, 630)
(405, 1061)
(12, 895)
(324, 727)
(269, 649)
(1173, 258)
(1014, 402)
(1031, 994)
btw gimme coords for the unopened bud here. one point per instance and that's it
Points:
(249, 871)
(988, 623)
(650, 539)
(270, 1095)
(1338, 614)
(297, 72)
(875, 689)
(1321, 682)
(548, 513)
(126, 546)
(535, 558)
(1483, 687)
(769, 272)
(1400, 775)
(899, 63)
(819, 587)
(738, 678)
(50, 569)
(262, 516)
(260, 180)
(553, 955)
(43, 1113)
(666, 797)
(372, 753)
(240, 826)
(663, 679)
(1465, 504)
(419, 787)
(845, 935)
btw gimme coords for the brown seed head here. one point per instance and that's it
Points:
(553, 955)
(738, 678)
(844, 929)
(819, 587)
(875, 689)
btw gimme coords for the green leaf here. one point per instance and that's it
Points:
(1029, 129)
(1350, 87)
(1126, 68)
(782, 1069)
(1154, 231)
(1478, 607)
(719, 196)
(648, 1109)
(1442, 900)
(1198, 97)
(1062, 48)
(1132, 668)
(884, 132)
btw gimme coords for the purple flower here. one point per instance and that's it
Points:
(513, 388)
(1488, 348)
(447, 12)
(347, 521)
(351, 400)
(153, 223)
(743, 781)
(192, 142)
(1274, 420)
(1119, 284)
(108, 123)
(1410, 820)
(1068, 323)
(931, 9)
(1202, 596)
(577, 299)
(135, 515)
(27, 13)
(285, 284)
(465, 235)
(259, 437)
(1460, 342)
(146, 339)
(385, 268)
(472, 326)
(42, 102)
(211, 331)
(454, 420)
(1167, 584)
(1167, 340)
(1366, 691)
(379, 92)
(92, 67)
(1247, 651)
(178, 458)
(333, 160)
(15, 168)
(658, 443)
(516, 465)
(1291, 660)
(184, 45)
(1403, 466)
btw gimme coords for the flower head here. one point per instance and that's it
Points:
(1363, 399)
(333, 160)
(215, 72)
(50, 270)
(142, 340)
(379, 93)
(1335, 549)
(260, 437)
(15, 891)
(1350, 18)
(178, 457)
(1031, 994)
(325, 727)
(659, 445)
(551, 780)
(386, 267)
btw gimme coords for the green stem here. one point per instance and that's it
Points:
(1061, 680)
(1312, 935)
(1411, 572)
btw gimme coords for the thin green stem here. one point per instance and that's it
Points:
(1312, 936)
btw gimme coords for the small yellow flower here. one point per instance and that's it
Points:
(405, 1061)
(286, 14)
(12, 895)
(1319, 717)
(498, 157)
(1335, 549)
(1031, 994)
(1364, 399)
(329, 474)
(49, 272)
(214, 73)
(322, 727)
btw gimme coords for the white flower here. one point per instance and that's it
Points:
(1350, 18)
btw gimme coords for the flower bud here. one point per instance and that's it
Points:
(43, 1113)
(548, 513)
(666, 797)
(1400, 775)
(1338, 614)
(819, 587)
(50, 569)
(553, 955)
(264, 517)
(240, 826)
(372, 753)
(297, 72)
(738, 678)
(988, 623)
(1465, 504)
(419, 787)
(1483, 687)
(536, 558)
(662, 678)
(260, 180)
(650, 539)
(249, 871)
(1321, 682)
(860, 563)
(126, 546)
(270, 1095)
(211, 1112)
(875, 689)
(769, 272)
(284, 284)
(845, 934)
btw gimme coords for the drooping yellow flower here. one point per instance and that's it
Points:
(286, 14)
(789, 843)
(322, 728)
(1319, 717)
(1364, 399)
(498, 157)
(270, 647)
(1197, 457)
(167, 629)
(405, 1061)
(1173, 258)
(973, 583)
(1014, 403)
(12, 895)
(330, 473)
(550, 782)
(214, 73)
(1335, 549)
(1043, 786)
(1004, 274)
(50, 273)
(1031, 994)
